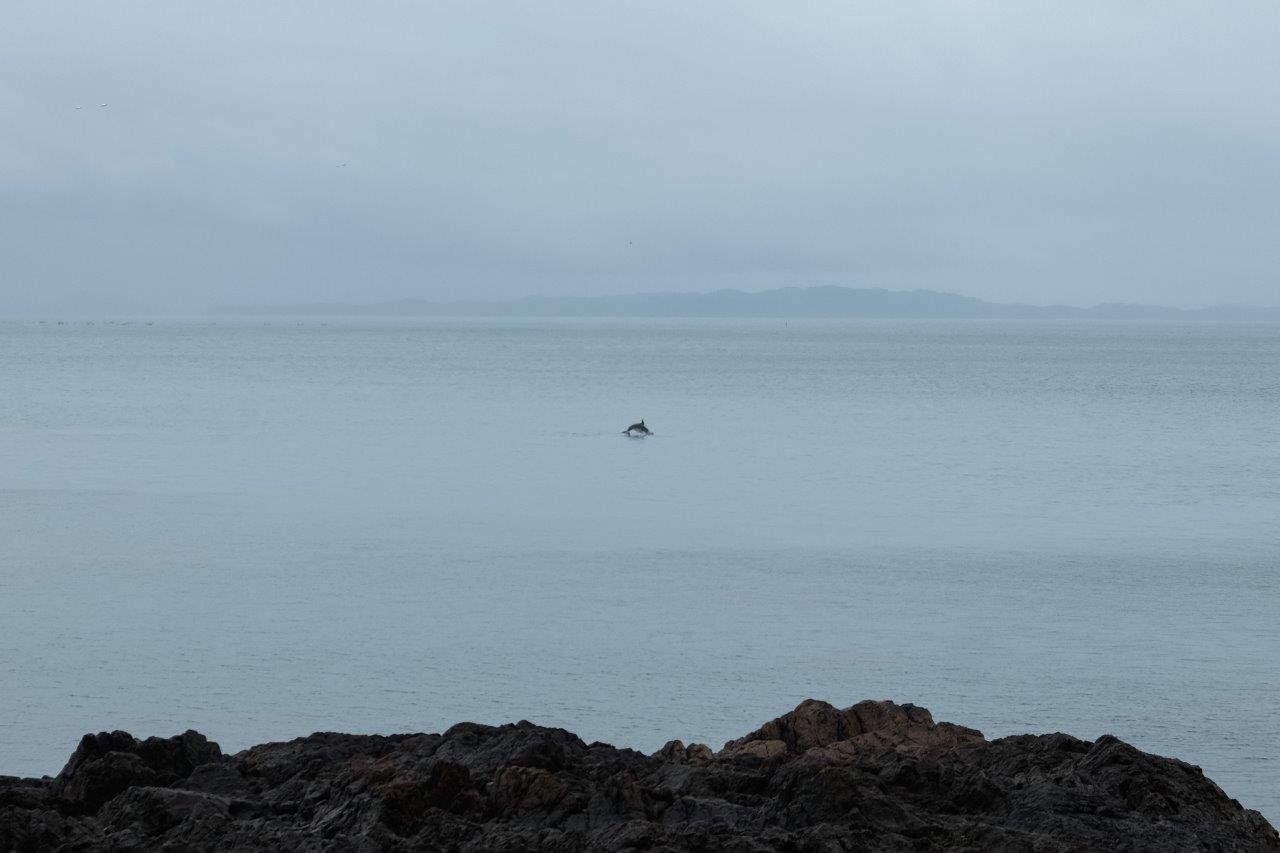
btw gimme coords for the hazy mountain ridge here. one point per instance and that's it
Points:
(797, 302)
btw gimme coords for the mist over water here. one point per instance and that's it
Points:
(260, 529)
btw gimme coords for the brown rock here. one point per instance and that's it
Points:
(525, 788)
(673, 751)
(868, 724)
(812, 723)
(762, 749)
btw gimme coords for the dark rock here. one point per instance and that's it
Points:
(98, 778)
(107, 763)
(153, 813)
(877, 776)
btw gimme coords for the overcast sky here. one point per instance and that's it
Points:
(269, 152)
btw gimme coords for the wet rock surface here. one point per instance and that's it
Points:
(875, 776)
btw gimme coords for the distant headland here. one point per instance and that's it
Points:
(786, 302)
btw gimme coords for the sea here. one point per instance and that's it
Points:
(261, 528)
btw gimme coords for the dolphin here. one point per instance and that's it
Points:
(638, 428)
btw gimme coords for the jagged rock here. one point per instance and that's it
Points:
(107, 763)
(876, 776)
(814, 724)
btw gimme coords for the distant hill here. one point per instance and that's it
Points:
(784, 302)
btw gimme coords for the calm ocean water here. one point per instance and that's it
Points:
(264, 528)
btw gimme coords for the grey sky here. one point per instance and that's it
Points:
(1039, 152)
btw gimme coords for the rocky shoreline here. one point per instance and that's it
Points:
(877, 776)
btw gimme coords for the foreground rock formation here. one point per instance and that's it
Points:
(876, 776)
